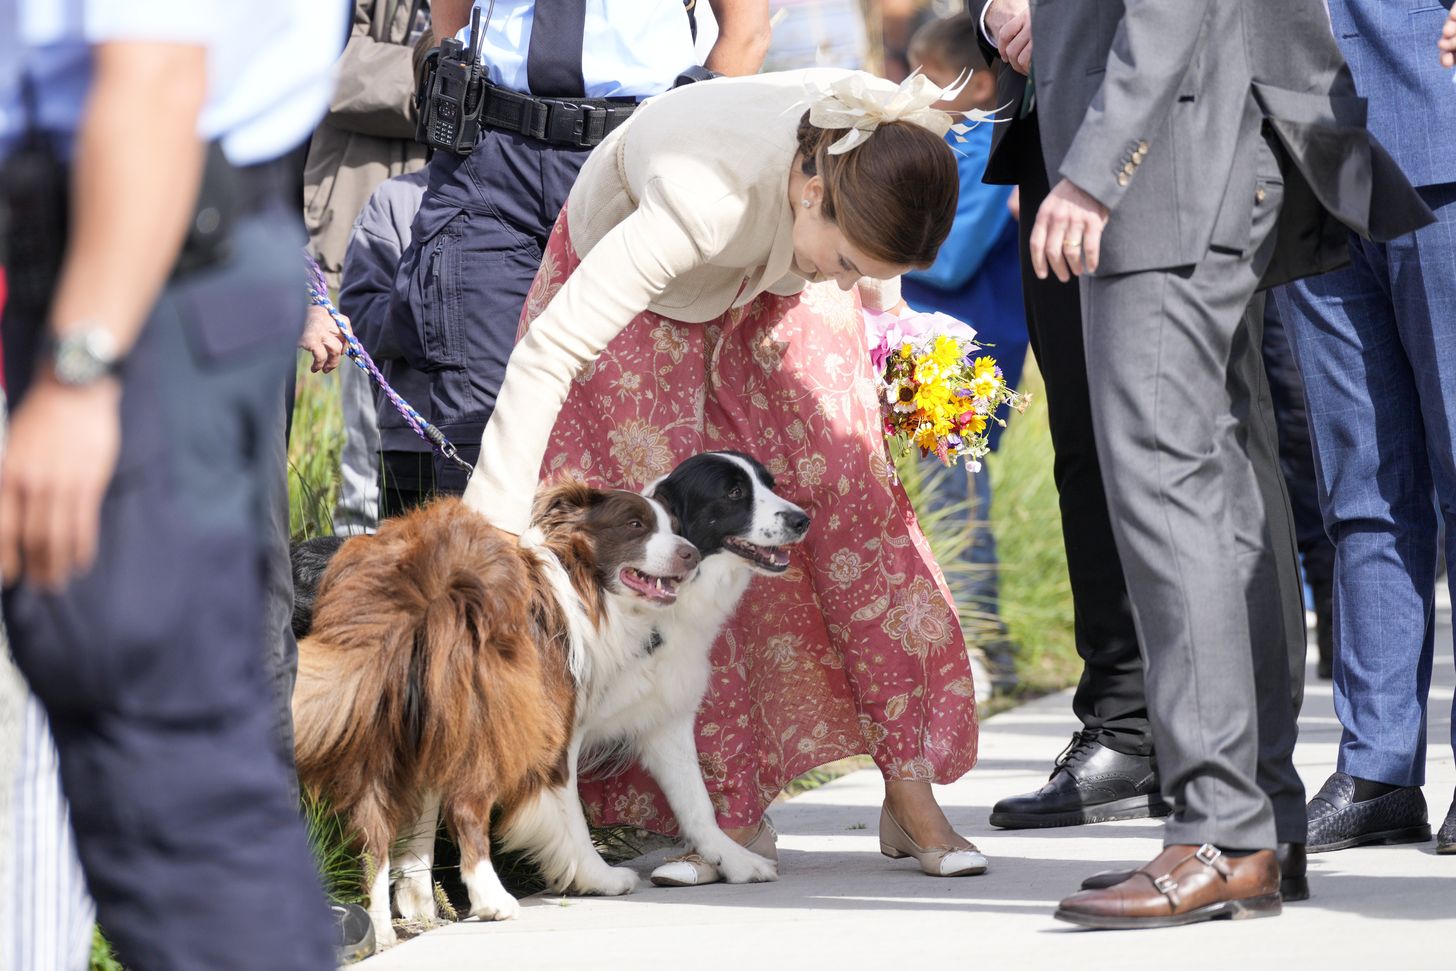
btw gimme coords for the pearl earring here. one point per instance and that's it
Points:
(806, 203)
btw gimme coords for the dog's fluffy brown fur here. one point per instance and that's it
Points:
(443, 664)
(436, 662)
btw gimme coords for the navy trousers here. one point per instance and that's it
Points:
(1377, 346)
(152, 666)
(1296, 454)
(1111, 697)
(476, 245)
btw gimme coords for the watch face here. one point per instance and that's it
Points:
(85, 356)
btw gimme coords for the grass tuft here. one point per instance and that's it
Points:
(1036, 599)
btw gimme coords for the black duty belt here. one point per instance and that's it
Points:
(577, 122)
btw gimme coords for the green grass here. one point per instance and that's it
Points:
(101, 957)
(313, 452)
(340, 868)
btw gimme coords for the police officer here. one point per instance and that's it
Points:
(149, 327)
(562, 76)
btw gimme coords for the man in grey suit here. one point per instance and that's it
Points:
(1377, 341)
(1205, 150)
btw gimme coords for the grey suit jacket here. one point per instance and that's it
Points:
(1155, 108)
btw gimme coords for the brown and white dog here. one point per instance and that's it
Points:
(443, 672)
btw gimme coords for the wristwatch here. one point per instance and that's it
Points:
(84, 356)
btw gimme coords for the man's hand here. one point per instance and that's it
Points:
(322, 339)
(1067, 236)
(1013, 203)
(1447, 43)
(61, 454)
(1009, 21)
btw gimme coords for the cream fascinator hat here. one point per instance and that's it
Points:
(862, 102)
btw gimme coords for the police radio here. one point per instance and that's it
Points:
(450, 97)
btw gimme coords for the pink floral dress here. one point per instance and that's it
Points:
(854, 650)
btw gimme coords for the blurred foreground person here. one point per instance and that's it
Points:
(155, 299)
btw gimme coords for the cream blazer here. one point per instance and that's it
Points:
(684, 212)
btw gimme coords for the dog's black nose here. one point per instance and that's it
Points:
(689, 555)
(797, 521)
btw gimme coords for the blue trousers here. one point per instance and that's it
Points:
(152, 666)
(1376, 342)
(476, 246)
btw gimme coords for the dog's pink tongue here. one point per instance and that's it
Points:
(779, 555)
(653, 588)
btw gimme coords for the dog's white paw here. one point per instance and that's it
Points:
(383, 932)
(609, 881)
(495, 905)
(414, 897)
(739, 865)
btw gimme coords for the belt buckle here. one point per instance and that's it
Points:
(583, 125)
(556, 132)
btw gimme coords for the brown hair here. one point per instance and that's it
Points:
(893, 196)
(949, 42)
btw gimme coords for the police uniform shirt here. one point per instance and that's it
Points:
(270, 64)
(633, 49)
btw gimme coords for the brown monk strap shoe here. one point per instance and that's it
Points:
(1183, 885)
(1293, 870)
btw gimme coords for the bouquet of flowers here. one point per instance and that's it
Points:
(938, 391)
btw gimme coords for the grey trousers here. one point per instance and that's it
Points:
(1186, 439)
(357, 510)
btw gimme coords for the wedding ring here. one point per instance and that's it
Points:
(1072, 244)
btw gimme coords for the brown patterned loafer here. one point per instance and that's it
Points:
(1182, 885)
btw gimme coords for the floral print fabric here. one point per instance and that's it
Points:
(856, 648)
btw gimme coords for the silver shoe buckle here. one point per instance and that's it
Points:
(1168, 887)
(1207, 853)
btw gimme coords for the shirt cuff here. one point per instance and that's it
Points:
(984, 32)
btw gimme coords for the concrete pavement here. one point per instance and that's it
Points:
(839, 904)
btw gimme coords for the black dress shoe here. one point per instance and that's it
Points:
(1446, 838)
(1337, 822)
(1090, 784)
(1293, 883)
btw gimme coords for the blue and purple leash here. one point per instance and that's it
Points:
(318, 294)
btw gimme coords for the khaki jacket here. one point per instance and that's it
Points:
(684, 212)
(368, 134)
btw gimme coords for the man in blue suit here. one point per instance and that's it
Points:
(1376, 342)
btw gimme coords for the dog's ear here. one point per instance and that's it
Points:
(674, 500)
(563, 504)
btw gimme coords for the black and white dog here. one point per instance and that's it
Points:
(724, 504)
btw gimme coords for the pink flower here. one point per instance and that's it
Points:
(886, 332)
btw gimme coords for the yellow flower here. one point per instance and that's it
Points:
(986, 386)
(985, 366)
(946, 353)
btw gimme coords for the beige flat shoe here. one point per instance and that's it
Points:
(691, 870)
(936, 862)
